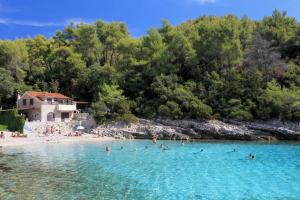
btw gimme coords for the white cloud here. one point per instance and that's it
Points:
(78, 21)
(35, 23)
(8, 21)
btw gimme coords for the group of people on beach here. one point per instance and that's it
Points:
(52, 131)
(17, 134)
(70, 134)
(13, 135)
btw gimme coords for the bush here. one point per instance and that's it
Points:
(296, 110)
(111, 105)
(241, 115)
(170, 110)
(278, 102)
(200, 110)
(12, 120)
(129, 118)
(164, 111)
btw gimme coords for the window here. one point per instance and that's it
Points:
(65, 115)
(49, 100)
(31, 102)
(24, 102)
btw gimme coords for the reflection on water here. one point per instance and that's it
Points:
(86, 171)
(40, 176)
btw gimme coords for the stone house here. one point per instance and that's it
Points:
(46, 106)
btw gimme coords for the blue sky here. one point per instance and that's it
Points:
(27, 18)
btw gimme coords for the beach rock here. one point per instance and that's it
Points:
(279, 130)
(145, 129)
(193, 129)
(180, 129)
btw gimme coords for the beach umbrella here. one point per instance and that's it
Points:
(80, 128)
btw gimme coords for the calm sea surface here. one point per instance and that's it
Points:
(86, 171)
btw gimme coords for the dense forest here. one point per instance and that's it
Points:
(210, 67)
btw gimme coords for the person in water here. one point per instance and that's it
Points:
(107, 149)
(234, 150)
(251, 157)
(165, 147)
(154, 141)
(201, 150)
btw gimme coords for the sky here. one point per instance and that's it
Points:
(27, 18)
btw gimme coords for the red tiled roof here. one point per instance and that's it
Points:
(47, 94)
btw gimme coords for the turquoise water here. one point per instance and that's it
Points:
(86, 171)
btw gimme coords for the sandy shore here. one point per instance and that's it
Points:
(9, 141)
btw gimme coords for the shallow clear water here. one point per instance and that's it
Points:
(86, 171)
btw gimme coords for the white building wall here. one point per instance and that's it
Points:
(36, 103)
(40, 109)
(46, 109)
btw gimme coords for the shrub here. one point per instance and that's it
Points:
(200, 110)
(164, 111)
(129, 118)
(12, 120)
(170, 110)
(241, 115)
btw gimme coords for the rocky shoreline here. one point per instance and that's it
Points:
(200, 130)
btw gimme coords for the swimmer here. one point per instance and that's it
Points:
(165, 148)
(154, 141)
(121, 147)
(107, 149)
(251, 157)
(201, 150)
(182, 143)
(161, 146)
(234, 150)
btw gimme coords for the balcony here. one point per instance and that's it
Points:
(66, 107)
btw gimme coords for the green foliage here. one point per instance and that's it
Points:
(111, 105)
(14, 58)
(278, 28)
(12, 120)
(200, 110)
(3, 127)
(218, 43)
(240, 114)
(7, 84)
(170, 110)
(279, 102)
(222, 67)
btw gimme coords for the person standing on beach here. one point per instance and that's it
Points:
(2, 135)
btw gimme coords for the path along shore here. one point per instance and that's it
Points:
(33, 139)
